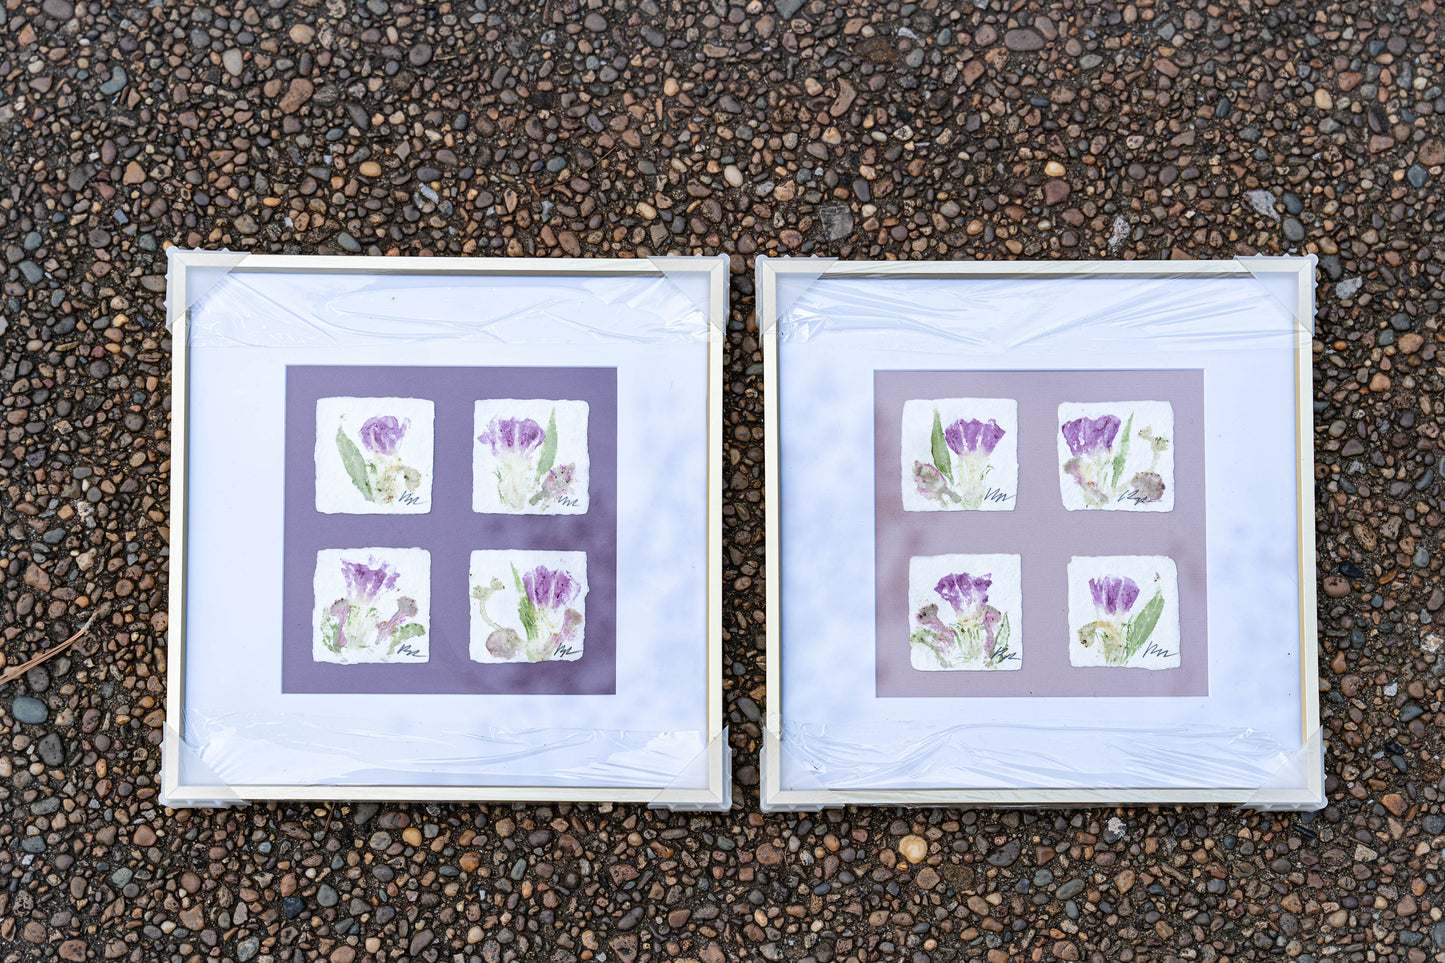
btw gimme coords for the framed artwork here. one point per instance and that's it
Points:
(1070, 577)
(421, 546)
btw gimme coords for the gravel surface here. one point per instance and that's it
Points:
(928, 130)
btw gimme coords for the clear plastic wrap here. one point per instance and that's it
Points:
(933, 639)
(446, 530)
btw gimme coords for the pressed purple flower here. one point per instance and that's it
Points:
(967, 437)
(550, 588)
(513, 436)
(928, 618)
(1113, 594)
(962, 590)
(1089, 436)
(930, 480)
(363, 582)
(405, 609)
(991, 619)
(559, 481)
(340, 611)
(382, 434)
(1149, 485)
(504, 643)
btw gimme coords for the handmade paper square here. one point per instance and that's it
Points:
(372, 605)
(1117, 456)
(529, 457)
(965, 612)
(528, 606)
(1124, 611)
(960, 454)
(374, 456)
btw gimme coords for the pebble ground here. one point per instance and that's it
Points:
(923, 130)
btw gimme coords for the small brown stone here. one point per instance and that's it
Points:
(1124, 881)
(1336, 586)
(37, 578)
(469, 862)
(1056, 192)
(1410, 342)
(143, 836)
(369, 169)
(73, 951)
(927, 878)
(768, 855)
(622, 873)
(297, 94)
(1395, 803)
(1380, 382)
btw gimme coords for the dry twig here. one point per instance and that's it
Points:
(10, 675)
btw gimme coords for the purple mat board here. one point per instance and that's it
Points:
(1042, 532)
(450, 531)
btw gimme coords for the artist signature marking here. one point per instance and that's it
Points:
(408, 650)
(408, 498)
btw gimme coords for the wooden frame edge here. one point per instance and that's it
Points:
(714, 269)
(766, 274)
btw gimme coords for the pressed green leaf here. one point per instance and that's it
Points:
(1001, 640)
(1143, 626)
(328, 633)
(1123, 452)
(355, 464)
(549, 446)
(409, 631)
(526, 609)
(941, 461)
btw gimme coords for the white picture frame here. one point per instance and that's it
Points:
(258, 340)
(838, 731)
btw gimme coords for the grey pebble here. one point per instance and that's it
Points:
(122, 876)
(1293, 229)
(1071, 889)
(1417, 176)
(30, 711)
(115, 84)
(52, 752)
(32, 271)
(326, 896)
(749, 709)
(247, 949)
